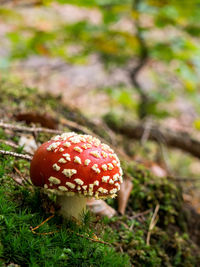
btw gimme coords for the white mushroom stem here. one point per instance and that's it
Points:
(72, 206)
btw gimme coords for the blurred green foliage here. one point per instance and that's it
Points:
(168, 30)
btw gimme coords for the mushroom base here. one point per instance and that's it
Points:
(72, 206)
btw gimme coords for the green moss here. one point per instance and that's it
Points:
(149, 190)
(169, 245)
(165, 249)
(21, 208)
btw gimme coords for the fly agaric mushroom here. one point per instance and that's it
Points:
(75, 167)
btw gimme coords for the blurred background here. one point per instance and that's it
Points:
(137, 59)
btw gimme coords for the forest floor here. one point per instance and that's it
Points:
(158, 228)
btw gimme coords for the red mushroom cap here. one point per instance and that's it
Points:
(75, 163)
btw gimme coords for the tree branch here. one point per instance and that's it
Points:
(168, 137)
(143, 58)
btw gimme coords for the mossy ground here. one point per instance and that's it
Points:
(23, 206)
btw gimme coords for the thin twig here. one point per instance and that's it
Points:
(13, 145)
(16, 155)
(140, 214)
(48, 233)
(28, 129)
(152, 224)
(65, 122)
(91, 239)
(9, 143)
(38, 226)
(22, 176)
(16, 180)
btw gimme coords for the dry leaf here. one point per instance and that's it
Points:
(28, 143)
(33, 117)
(100, 207)
(158, 170)
(124, 194)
